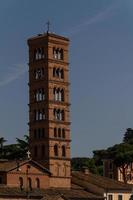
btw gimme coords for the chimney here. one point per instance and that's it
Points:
(85, 170)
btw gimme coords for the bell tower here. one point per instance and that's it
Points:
(49, 121)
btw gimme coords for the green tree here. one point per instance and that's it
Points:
(80, 162)
(16, 151)
(23, 146)
(128, 136)
(23, 143)
(2, 141)
(122, 156)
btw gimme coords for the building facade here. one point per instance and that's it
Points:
(49, 120)
(25, 175)
(110, 170)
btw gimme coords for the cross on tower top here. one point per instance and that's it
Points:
(48, 26)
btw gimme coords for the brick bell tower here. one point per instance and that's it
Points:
(49, 122)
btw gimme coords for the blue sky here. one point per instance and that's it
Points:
(101, 66)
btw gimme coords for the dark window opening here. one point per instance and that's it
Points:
(1, 180)
(110, 197)
(43, 150)
(59, 132)
(43, 133)
(30, 183)
(35, 151)
(63, 151)
(55, 150)
(63, 133)
(55, 132)
(119, 197)
(35, 134)
(21, 182)
(37, 183)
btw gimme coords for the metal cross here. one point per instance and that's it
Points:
(48, 26)
(28, 154)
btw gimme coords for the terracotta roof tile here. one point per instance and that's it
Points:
(84, 187)
(7, 165)
(51, 194)
(93, 181)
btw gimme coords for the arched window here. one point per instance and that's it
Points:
(43, 151)
(61, 54)
(38, 53)
(63, 133)
(21, 182)
(59, 95)
(39, 94)
(30, 183)
(62, 115)
(35, 134)
(43, 114)
(35, 115)
(39, 73)
(37, 183)
(35, 151)
(57, 53)
(39, 115)
(54, 112)
(58, 72)
(43, 133)
(59, 132)
(35, 54)
(43, 94)
(62, 95)
(63, 151)
(62, 74)
(39, 133)
(55, 150)
(54, 53)
(58, 114)
(55, 91)
(55, 132)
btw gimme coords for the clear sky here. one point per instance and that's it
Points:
(101, 66)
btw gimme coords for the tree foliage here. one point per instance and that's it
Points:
(14, 151)
(2, 141)
(79, 163)
(128, 136)
(121, 154)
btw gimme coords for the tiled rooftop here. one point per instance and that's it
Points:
(84, 186)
